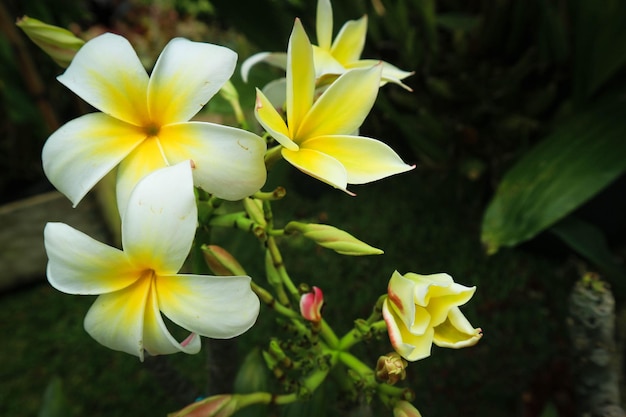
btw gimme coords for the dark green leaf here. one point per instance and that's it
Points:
(54, 402)
(581, 157)
(589, 242)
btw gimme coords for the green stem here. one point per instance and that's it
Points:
(356, 335)
(277, 259)
(329, 335)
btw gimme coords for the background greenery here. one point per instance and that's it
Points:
(493, 80)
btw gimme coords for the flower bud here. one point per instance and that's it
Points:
(223, 405)
(254, 208)
(405, 409)
(59, 43)
(311, 305)
(332, 238)
(221, 262)
(391, 368)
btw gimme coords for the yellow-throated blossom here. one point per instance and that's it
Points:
(318, 137)
(334, 57)
(424, 309)
(137, 284)
(144, 121)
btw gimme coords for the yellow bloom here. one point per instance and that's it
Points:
(424, 309)
(334, 57)
(139, 283)
(144, 121)
(318, 137)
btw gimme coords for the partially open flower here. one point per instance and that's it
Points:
(424, 309)
(311, 305)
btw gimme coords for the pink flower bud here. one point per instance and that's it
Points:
(217, 406)
(311, 305)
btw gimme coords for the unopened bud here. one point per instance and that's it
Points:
(332, 238)
(405, 409)
(59, 43)
(254, 208)
(391, 368)
(311, 305)
(217, 406)
(221, 262)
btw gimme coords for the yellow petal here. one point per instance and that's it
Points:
(272, 122)
(364, 159)
(107, 74)
(84, 150)
(318, 165)
(390, 72)
(411, 347)
(186, 75)
(228, 162)
(324, 24)
(326, 64)
(456, 331)
(343, 107)
(350, 40)
(144, 159)
(300, 77)
(116, 320)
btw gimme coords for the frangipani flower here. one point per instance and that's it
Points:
(424, 309)
(137, 284)
(318, 136)
(144, 121)
(334, 57)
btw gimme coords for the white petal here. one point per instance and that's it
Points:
(185, 77)
(107, 74)
(228, 162)
(116, 319)
(277, 59)
(217, 307)
(79, 264)
(84, 150)
(159, 223)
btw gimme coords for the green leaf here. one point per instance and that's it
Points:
(579, 159)
(54, 402)
(589, 242)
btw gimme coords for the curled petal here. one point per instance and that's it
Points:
(410, 346)
(350, 40)
(365, 159)
(159, 223)
(318, 165)
(331, 114)
(157, 339)
(324, 24)
(456, 332)
(107, 74)
(116, 319)
(218, 307)
(186, 75)
(277, 59)
(272, 121)
(79, 264)
(84, 150)
(228, 162)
